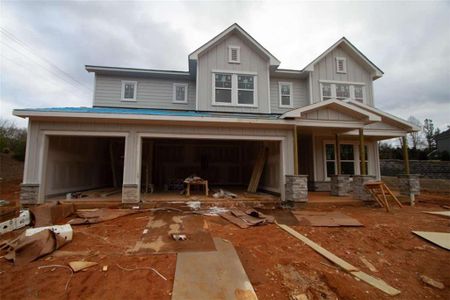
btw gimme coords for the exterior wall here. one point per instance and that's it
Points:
(326, 70)
(216, 58)
(299, 94)
(35, 163)
(151, 93)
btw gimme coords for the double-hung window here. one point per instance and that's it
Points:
(234, 89)
(180, 93)
(285, 90)
(348, 158)
(342, 91)
(129, 90)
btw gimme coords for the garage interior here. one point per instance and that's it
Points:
(225, 164)
(92, 166)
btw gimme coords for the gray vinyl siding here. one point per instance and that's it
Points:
(299, 94)
(151, 93)
(217, 59)
(325, 69)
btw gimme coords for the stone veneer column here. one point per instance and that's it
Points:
(409, 186)
(340, 185)
(130, 193)
(296, 188)
(359, 192)
(29, 193)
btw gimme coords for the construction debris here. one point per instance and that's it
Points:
(258, 170)
(104, 268)
(75, 195)
(101, 215)
(441, 239)
(179, 237)
(432, 282)
(60, 266)
(247, 218)
(213, 211)
(65, 231)
(325, 219)
(77, 266)
(375, 282)
(224, 194)
(25, 249)
(21, 221)
(50, 213)
(368, 264)
(194, 205)
(142, 268)
(445, 213)
(380, 193)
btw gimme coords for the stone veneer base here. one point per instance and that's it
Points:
(296, 188)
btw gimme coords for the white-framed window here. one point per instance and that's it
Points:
(234, 54)
(129, 90)
(349, 158)
(342, 91)
(341, 65)
(180, 92)
(285, 92)
(231, 89)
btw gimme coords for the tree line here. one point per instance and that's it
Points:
(13, 139)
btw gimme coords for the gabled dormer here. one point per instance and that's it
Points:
(342, 72)
(233, 73)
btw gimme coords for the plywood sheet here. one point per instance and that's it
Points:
(282, 216)
(441, 239)
(211, 275)
(445, 213)
(156, 237)
(326, 219)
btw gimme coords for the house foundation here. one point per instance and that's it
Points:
(296, 188)
(359, 192)
(340, 185)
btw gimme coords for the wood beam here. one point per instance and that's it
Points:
(338, 155)
(405, 155)
(362, 154)
(295, 151)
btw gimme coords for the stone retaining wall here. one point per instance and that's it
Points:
(425, 168)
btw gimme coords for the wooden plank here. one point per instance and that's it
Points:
(257, 170)
(373, 281)
(439, 213)
(442, 239)
(212, 275)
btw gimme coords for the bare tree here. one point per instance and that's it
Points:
(428, 130)
(415, 137)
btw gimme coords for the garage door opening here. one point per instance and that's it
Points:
(224, 164)
(84, 166)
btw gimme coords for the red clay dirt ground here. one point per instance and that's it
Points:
(278, 265)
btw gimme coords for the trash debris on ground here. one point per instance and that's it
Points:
(77, 266)
(282, 216)
(375, 282)
(51, 213)
(179, 237)
(4, 202)
(246, 218)
(432, 282)
(104, 268)
(441, 239)
(63, 267)
(21, 221)
(25, 249)
(64, 231)
(224, 194)
(101, 215)
(142, 268)
(445, 213)
(200, 282)
(213, 211)
(326, 219)
(368, 264)
(194, 205)
(75, 195)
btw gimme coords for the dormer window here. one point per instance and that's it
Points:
(285, 90)
(234, 54)
(129, 90)
(341, 65)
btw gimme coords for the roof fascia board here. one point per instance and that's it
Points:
(377, 71)
(194, 55)
(90, 68)
(295, 113)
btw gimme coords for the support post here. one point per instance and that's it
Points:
(295, 151)
(405, 155)
(338, 155)
(362, 154)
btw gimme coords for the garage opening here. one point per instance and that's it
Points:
(226, 165)
(84, 167)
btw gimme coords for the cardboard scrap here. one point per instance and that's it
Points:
(441, 239)
(26, 249)
(51, 213)
(81, 265)
(101, 215)
(247, 218)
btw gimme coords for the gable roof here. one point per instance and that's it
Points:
(333, 104)
(235, 28)
(343, 42)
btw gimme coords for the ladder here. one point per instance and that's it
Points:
(381, 193)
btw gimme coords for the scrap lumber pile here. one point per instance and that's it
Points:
(381, 193)
(246, 218)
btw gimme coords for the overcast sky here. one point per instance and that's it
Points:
(45, 45)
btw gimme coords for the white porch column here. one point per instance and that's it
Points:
(132, 169)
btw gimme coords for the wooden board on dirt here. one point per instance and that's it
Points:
(282, 216)
(212, 275)
(445, 213)
(157, 234)
(325, 219)
(442, 239)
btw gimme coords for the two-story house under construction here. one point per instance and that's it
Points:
(156, 127)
